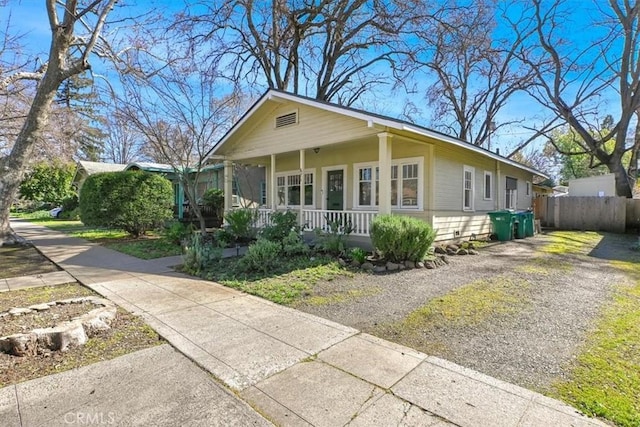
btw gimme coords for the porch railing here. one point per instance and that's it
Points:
(359, 221)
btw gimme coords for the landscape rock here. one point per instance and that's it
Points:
(473, 252)
(367, 266)
(19, 344)
(419, 264)
(440, 250)
(379, 269)
(451, 251)
(392, 266)
(19, 311)
(430, 264)
(462, 252)
(444, 259)
(410, 264)
(453, 248)
(62, 336)
(342, 262)
(40, 307)
(355, 263)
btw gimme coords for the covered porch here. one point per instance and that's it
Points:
(346, 184)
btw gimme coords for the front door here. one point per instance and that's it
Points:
(335, 190)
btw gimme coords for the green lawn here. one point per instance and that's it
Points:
(148, 247)
(605, 380)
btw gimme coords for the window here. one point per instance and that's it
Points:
(406, 185)
(511, 193)
(263, 192)
(468, 187)
(488, 185)
(288, 189)
(528, 193)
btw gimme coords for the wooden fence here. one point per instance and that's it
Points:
(615, 214)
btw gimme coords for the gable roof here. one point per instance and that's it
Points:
(97, 167)
(371, 118)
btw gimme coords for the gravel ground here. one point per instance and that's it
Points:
(531, 345)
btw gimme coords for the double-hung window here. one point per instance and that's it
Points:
(468, 188)
(288, 188)
(488, 185)
(406, 185)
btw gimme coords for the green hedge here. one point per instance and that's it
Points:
(133, 201)
(401, 238)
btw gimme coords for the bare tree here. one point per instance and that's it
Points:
(476, 67)
(178, 106)
(332, 50)
(123, 144)
(68, 56)
(576, 78)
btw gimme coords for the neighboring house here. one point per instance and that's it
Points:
(245, 191)
(593, 186)
(540, 190)
(331, 162)
(85, 168)
(560, 191)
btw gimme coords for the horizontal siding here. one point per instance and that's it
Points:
(447, 223)
(315, 128)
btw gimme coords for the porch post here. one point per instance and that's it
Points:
(301, 214)
(273, 189)
(228, 186)
(384, 165)
(497, 186)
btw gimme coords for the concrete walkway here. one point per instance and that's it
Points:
(295, 368)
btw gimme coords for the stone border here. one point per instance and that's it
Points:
(69, 333)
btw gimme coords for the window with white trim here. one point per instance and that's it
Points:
(528, 193)
(288, 188)
(406, 184)
(488, 185)
(468, 187)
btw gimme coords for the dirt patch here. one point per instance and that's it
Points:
(10, 325)
(17, 260)
(127, 334)
(519, 311)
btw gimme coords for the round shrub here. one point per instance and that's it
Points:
(401, 238)
(133, 201)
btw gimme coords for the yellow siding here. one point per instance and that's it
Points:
(454, 225)
(315, 128)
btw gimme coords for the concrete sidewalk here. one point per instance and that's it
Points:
(295, 368)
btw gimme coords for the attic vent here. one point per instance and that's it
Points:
(287, 119)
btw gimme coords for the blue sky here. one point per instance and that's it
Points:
(29, 17)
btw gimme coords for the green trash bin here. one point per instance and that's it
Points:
(502, 222)
(519, 220)
(528, 225)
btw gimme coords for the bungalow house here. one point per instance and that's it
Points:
(327, 161)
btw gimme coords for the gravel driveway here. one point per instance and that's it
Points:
(553, 300)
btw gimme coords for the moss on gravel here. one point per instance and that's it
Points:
(605, 379)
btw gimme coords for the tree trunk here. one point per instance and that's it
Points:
(623, 186)
(12, 167)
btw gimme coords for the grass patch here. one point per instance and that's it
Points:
(31, 296)
(17, 260)
(146, 249)
(605, 379)
(571, 242)
(543, 265)
(150, 246)
(293, 280)
(341, 297)
(470, 304)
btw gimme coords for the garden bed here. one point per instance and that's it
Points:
(127, 333)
